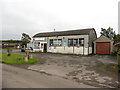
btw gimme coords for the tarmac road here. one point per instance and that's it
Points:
(14, 77)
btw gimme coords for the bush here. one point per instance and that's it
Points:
(114, 53)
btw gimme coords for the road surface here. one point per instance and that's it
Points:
(14, 77)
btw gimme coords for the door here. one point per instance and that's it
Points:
(103, 48)
(45, 47)
(92, 48)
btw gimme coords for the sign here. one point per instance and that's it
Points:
(65, 43)
(49, 48)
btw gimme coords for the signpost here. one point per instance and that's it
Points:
(9, 50)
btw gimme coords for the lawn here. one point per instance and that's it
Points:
(16, 59)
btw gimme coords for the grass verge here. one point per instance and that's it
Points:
(16, 59)
(112, 69)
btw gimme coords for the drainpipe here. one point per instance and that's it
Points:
(88, 48)
(83, 47)
(73, 45)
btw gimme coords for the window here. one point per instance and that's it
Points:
(41, 45)
(38, 43)
(75, 42)
(70, 42)
(59, 42)
(55, 42)
(81, 41)
(51, 42)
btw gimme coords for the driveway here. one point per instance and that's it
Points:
(81, 69)
(85, 69)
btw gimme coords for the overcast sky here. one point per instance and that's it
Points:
(33, 16)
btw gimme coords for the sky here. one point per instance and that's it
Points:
(35, 16)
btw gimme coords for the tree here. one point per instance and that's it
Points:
(108, 33)
(117, 43)
(118, 46)
(117, 39)
(25, 39)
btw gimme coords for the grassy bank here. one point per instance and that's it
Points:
(16, 59)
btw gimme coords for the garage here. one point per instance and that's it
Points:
(103, 48)
(103, 45)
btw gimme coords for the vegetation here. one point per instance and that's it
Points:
(11, 41)
(116, 48)
(16, 59)
(25, 39)
(111, 69)
(108, 33)
(112, 36)
(117, 39)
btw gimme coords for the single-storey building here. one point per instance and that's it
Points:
(39, 44)
(103, 45)
(69, 42)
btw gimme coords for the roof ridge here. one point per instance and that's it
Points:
(68, 32)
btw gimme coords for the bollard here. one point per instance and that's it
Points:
(26, 59)
(27, 56)
(31, 56)
(9, 50)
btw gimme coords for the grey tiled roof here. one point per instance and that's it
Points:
(65, 33)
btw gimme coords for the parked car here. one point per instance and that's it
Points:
(22, 49)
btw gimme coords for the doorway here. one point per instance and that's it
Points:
(45, 47)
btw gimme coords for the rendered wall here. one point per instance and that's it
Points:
(69, 50)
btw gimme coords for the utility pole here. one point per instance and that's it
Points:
(54, 29)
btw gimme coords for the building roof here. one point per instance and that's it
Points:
(65, 33)
(103, 38)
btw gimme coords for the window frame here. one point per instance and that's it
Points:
(55, 42)
(76, 42)
(51, 40)
(82, 42)
(70, 45)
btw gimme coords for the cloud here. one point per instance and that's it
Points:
(33, 16)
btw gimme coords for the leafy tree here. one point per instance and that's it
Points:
(25, 39)
(117, 38)
(108, 33)
(116, 44)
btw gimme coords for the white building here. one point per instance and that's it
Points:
(69, 42)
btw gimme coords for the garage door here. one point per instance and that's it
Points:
(102, 48)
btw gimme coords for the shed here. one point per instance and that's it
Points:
(103, 45)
